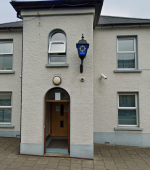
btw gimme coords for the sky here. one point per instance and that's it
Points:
(124, 8)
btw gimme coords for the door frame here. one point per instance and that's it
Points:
(56, 101)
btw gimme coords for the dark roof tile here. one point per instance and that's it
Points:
(111, 20)
(12, 25)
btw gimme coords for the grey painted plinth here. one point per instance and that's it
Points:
(32, 148)
(9, 133)
(123, 138)
(81, 151)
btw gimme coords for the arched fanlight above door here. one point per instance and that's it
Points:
(57, 94)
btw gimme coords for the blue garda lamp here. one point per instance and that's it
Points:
(82, 47)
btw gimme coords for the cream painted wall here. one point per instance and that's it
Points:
(105, 91)
(37, 79)
(12, 82)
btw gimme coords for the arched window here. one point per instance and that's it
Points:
(57, 48)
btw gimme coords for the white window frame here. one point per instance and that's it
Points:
(129, 108)
(62, 53)
(8, 53)
(6, 107)
(57, 42)
(127, 52)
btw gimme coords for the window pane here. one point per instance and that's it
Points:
(57, 47)
(58, 59)
(126, 100)
(125, 45)
(5, 100)
(6, 62)
(51, 95)
(58, 37)
(126, 60)
(127, 117)
(5, 115)
(6, 47)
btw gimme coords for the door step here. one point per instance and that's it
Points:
(57, 154)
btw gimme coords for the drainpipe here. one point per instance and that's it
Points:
(21, 86)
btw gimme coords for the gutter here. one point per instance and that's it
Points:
(10, 28)
(123, 25)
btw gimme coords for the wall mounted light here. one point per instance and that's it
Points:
(57, 80)
(82, 47)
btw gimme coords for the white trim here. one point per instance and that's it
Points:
(5, 70)
(57, 42)
(11, 49)
(127, 125)
(127, 52)
(5, 123)
(128, 108)
(7, 107)
(6, 54)
(126, 68)
(10, 54)
(63, 53)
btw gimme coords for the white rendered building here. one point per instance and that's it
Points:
(46, 100)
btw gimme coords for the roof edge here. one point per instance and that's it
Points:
(19, 5)
(122, 25)
(11, 25)
(125, 17)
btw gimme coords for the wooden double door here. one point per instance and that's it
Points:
(59, 119)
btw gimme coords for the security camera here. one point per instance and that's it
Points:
(103, 76)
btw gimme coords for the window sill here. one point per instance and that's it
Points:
(128, 129)
(7, 126)
(128, 71)
(56, 65)
(7, 72)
